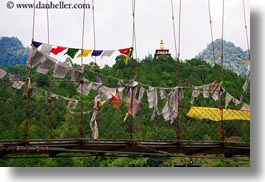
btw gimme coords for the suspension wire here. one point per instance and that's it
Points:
(48, 23)
(222, 54)
(50, 103)
(220, 97)
(178, 52)
(95, 57)
(174, 28)
(136, 58)
(133, 43)
(211, 28)
(40, 101)
(114, 78)
(178, 78)
(81, 130)
(246, 28)
(179, 30)
(26, 123)
(33, 21)
(94, 28)
(134, 29)
(49, 100)
(248, 47)
(136, 74)
(133, 73)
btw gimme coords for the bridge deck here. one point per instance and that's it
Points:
(53, 147)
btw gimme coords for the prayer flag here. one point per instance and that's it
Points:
(96, 53)
(84, 53)
(107, 53)
(124, 51)
(45, 49)
(2, 73)
(72, 52)
(57, 50)
(214, 114)
(129, 54)
(116, 100)
(36, 44)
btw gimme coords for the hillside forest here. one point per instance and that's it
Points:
(59, 120)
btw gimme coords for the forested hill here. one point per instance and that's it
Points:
(230, 53)
(159, 72)
(12, 52)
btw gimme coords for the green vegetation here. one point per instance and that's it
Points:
(159, 72)
(12, 52)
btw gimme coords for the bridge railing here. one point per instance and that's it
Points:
(50, 117)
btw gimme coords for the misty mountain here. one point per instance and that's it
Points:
(232, 56)
(12, 52)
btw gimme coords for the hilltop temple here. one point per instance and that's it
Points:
(162, 50)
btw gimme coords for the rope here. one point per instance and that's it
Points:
(222, 55)
(134, 32)
(83, 31)
(94, 28)
(94, 39)
(179, 29)
(49, 101)
(134, 43)
(174, 28)
(133, 66)
(82, 78)
(211, 28)
(26, 128)
(33, 20)
(178, 76)
(246, 29)
(48, 24)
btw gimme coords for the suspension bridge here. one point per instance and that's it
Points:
(182, 141)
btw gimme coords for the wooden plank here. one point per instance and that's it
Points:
(123, 146)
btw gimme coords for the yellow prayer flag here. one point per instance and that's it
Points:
(101, 103)
(84, 53)
(215, 114)
(126, 116)
(128, 55)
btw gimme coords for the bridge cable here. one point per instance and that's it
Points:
(211, 29)
(49, 100)
(246, 29)
(174, 28)
(133, 70)
(26, 123)
(95, 59)
(33, 20)
(222, 77)
(81, 130)
(222, 53)
(94, 28)
(177, 63)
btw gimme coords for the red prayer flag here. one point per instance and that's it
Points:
(133, 108)
(116, 100)
(57, 50)
(124, 51)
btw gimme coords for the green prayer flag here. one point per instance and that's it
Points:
(72, 52)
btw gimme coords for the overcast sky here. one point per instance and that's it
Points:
(113, 20)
